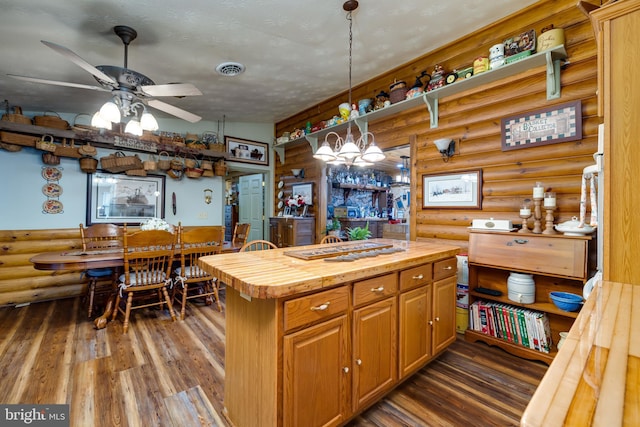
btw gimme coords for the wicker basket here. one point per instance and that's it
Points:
(207, 173)
(10, 147)
(87, 150)
(150, 136)
(164, 162)
(177, 163)
(193, 173)
(191, 162)
(193, 141)
(52, 120)
(150, 164)
(88, 164)
(65, 150)
(82, 127)
(16, 117)
(46, 144)
(136, 172)
(220, 168)
(50, 159)
(218, 148)
(206, 165)
(119, 162)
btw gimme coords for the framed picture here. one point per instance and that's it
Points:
(559, 123)
(245, 151)
(305, 190)
(460, 190)
(120, 198)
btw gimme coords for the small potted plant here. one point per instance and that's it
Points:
(333, 228)
(359, 233)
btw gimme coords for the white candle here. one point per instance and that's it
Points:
(525, 211)
(550, 200)
(538, 192)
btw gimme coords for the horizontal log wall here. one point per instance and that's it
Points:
(473, 119)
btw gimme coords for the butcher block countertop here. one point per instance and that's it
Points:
(273, 274)
(594, 378)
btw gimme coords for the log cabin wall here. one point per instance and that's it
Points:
(473, 119)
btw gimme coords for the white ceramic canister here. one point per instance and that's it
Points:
(521, 288)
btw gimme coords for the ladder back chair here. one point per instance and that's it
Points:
(331, 239)
(195, 243)
(240, 234)
(258, 245)
(148, 256)
(94, 238)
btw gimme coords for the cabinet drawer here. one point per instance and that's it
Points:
(416, 276)
(374, 289)
(315, 307)
(534, 253)
(444, 268)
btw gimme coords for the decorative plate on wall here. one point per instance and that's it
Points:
(51, 189)
(51, 174)
(280, 194)
(281, 184)
(280, 204)
(52, 206)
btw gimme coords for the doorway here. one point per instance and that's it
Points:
(251, 204)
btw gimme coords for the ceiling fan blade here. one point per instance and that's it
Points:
(79, 62)
(172, 89)
(57, 83)
(178, 112)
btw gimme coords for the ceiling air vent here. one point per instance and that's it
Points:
(230, 69)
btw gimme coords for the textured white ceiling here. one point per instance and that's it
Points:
(295, 51)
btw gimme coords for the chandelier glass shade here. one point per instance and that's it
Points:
(349, 151)
(125, 104)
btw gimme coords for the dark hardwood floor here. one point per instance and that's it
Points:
(165, 373)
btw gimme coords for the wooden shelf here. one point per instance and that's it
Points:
(552, 58)
(515, 349)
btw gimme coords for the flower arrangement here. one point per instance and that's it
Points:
(295, 201)
(156, 224)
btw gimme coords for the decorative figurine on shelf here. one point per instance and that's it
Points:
(380, 100)
(437, 78)
(354, 112)
(496, 56)
(417, 88)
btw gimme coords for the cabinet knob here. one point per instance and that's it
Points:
(321, 307)
(418, 277)
(430, 322)
(358, 362)
(437, 319)
(521, 241)
(378, 289)
(345, 370)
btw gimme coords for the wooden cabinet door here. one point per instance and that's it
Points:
(444, 313)
(316, 375)
(374, 351)
(414, 329)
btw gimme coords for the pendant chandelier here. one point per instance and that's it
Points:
(125, 104)
(349, 151)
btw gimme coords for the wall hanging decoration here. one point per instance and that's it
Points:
(551, 125)
(120, 198)
(245, 151)
(452, 190)
(52, 190)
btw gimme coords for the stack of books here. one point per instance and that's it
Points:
(517, 325)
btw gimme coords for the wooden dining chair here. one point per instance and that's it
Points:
(148, 255)
(240, 234)
(257, 245)
(189, 277)
(331, 239)
(96, 237)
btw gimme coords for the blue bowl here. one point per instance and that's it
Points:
(566, 301)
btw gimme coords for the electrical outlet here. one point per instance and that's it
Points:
(203, 215)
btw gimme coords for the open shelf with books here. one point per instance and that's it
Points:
(556, 263)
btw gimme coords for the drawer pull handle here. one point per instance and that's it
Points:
(378, 289)
(358, 362)
(321, 307)
(521, 241)
(418, 277)
(448, 268)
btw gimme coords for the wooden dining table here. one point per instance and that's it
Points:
(78, 260)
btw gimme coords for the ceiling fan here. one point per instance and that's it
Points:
(127, 86)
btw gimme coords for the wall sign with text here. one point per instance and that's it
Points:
(559, 123)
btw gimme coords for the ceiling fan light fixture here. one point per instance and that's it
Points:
(133, 127)
(230, 69)
(148, 122)
(98, 122)
(110, 111)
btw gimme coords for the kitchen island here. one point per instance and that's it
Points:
(312, 342)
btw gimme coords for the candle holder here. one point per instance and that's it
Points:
(525, 214)
(548, 227)
(537, 215)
